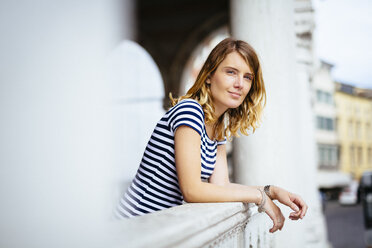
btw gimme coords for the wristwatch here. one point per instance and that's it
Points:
(267, 191)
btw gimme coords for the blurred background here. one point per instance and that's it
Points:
(82, 84)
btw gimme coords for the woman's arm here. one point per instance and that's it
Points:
(285, 197)
(220, 177)
(188, 160)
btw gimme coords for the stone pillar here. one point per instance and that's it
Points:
(56, 146)
(267, 156)
(281, 151)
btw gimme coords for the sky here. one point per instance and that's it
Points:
(343, 37)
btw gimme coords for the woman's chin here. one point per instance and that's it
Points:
(233, 106)
(235, 103)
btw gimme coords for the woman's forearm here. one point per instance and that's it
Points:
(208, 192)
(241, 186)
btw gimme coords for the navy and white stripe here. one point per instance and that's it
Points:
(155, 186)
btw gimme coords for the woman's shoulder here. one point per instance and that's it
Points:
(190, 101)
(190, 104)
(186, 112)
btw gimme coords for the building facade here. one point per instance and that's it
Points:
(354, 120)
(327, 139)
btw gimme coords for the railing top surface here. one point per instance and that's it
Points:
(173, 225)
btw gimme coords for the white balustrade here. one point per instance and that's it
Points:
(231, 224)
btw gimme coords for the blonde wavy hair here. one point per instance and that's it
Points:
(245, 117)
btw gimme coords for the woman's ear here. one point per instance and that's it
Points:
(208, 80)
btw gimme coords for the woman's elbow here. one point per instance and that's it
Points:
(191, 194)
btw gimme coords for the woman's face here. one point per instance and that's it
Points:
(230, 83)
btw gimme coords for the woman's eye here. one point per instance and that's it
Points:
(250, 78)
(230, 72)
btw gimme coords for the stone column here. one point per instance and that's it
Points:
(56, 146)
(268, 155)
(281, 151)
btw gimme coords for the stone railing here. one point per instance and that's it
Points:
(199, 225)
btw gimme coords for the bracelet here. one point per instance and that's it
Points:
(267, 191)
(263, 201)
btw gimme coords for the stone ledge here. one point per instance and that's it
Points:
(188, 225)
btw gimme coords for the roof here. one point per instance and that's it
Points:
(353, 90)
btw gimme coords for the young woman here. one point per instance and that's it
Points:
(185, 158)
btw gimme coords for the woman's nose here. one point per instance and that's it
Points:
(238, 82)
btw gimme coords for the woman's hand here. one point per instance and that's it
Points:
(291, 200)
(274, 212)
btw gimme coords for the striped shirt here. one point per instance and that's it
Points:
(155, 186)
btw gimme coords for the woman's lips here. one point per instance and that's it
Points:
(234, 94)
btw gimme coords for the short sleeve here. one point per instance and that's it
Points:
(187, 113)
(222, 142)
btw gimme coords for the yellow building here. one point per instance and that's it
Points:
(354, 127)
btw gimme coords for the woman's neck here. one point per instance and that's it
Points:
(210, 131)
(218, 111)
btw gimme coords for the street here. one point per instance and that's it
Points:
(345, 225)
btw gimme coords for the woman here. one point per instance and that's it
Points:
(185, 159)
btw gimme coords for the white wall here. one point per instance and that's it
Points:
(56, 123)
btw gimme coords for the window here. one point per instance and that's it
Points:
(319, 95)
(324, 97)
(325, 123)
(360, 156)
(327, 155)
(358, 131)
(350, 129)
(352, 158)
(329, 124)
(329, 98)
(319, 123)
(320, 155)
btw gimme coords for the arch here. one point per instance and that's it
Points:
(171, 30)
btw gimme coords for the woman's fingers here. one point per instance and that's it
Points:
(302, 205)
(273, 218)
(294, 206)
(295, 216)
(304, 210)
(295, 202)
(277, 224)
(290, 200)
(276, 216)
(299, 206)
(300, 214)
